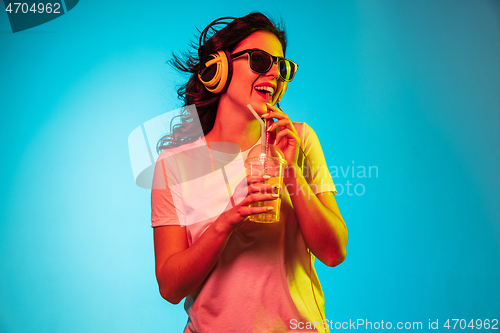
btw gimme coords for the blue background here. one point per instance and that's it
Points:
(411, 87)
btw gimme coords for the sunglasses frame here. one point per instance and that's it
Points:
(274, 60)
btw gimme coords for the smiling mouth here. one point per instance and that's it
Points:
(265, 90)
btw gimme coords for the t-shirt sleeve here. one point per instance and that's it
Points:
(166, 204)
(312, 161)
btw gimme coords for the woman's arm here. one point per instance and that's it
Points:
(180, 268)
(321, 224)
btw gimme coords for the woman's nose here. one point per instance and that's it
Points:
(274, 71)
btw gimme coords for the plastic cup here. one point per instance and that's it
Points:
(272, 166)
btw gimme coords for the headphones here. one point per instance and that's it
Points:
(217, 71)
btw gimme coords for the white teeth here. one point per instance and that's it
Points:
(266, 88)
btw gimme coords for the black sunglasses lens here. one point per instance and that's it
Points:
(260, 61)
(287, 69)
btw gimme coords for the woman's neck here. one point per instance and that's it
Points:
(234, 125)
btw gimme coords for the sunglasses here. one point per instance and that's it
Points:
(262, 62)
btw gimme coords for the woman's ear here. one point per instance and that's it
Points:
(281, 91)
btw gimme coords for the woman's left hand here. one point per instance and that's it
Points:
(287, 138)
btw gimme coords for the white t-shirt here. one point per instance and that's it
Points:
(262, 281)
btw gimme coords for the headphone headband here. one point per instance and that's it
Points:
(204, 33)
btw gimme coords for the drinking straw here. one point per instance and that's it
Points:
(262, 129)
(264, 138)
(268, 136)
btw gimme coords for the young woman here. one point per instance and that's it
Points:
(237, 275)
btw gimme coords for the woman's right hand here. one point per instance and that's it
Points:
(253, 190)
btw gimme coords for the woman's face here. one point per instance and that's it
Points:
(245, 83)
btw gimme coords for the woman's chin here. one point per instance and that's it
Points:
(260, 108)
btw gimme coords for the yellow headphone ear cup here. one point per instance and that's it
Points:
(217, 82)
